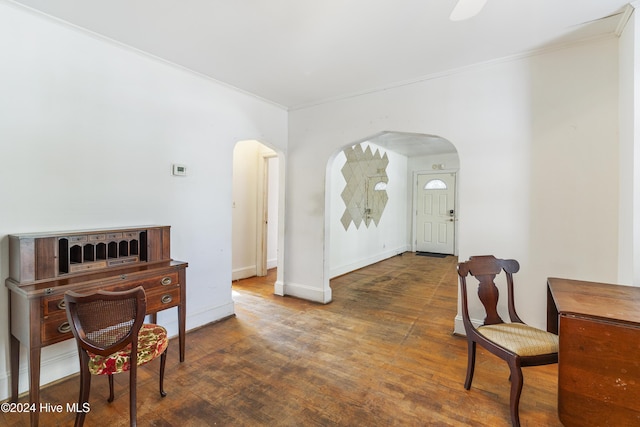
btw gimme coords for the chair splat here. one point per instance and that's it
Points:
(489, 295)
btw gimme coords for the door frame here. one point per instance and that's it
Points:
(262, 216)
(414, 206)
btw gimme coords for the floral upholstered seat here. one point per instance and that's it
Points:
(152, 342)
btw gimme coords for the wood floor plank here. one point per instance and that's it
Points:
(382, 353)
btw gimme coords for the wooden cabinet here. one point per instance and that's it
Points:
(598, 360)
(43, 266)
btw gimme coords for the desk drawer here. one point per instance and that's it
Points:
(160, 281)
(55, 328)
(53, 305)
(161, 299)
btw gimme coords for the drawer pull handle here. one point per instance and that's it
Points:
(166, 281)
(62, 305)
(64, 328)
(166, 299)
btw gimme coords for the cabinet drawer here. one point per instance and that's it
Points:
(160, 281)
(122, 261)
(53, 305)
(55, 328)
(161, 299)
(86, 266)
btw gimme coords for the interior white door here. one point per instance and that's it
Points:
(435, 213)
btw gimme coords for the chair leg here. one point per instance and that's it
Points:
(111, 394)
(85, 388)
(163, 361)
(471, 363)
(516, 391)
(133, 414)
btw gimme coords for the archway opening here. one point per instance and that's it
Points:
(372, 198)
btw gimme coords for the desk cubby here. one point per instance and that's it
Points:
(38, 256)
(82, 253)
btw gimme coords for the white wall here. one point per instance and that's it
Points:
(629, 231)
(537, 139)
(424, 164)
(574, 202)
(358, 247)
(88, 132)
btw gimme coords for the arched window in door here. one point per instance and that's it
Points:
(435, 184)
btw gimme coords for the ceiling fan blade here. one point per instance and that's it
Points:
(466, 9)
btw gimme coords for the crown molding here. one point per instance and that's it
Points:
(626, 15)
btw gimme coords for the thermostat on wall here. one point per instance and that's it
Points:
(180, 170)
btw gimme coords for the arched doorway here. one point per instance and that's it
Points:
(360, 230)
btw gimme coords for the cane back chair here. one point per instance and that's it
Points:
(109, 332)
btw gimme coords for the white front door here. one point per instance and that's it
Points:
(435, 213)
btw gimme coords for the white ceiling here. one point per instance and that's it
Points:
(296, 53)
(412, 144)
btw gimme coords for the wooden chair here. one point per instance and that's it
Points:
(109, 329)
(517, 343)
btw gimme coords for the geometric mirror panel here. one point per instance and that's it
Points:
(365, 194)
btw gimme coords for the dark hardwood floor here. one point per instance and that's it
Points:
(381, 354)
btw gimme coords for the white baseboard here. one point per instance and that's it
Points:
(459, 325)
(278, 288)
(208, 315)
(251, 270)
(307, 292)
(244, 272)
(347, 268)
(52, 368)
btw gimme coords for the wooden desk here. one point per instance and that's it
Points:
(599, 355)
(43, 266)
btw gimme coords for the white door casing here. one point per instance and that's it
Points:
(435, 213)
(262, 215)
